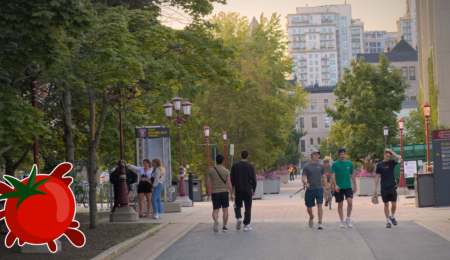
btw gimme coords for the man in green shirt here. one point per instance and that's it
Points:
(341, 172)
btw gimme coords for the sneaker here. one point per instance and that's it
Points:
(388, 225)
(342, 225)
(311, 222)
(320, 226)
(156, 216)
(247, 229)
(216, 226)
(349, 223)
(238, 224)
(393, 221)
(224, 230)
(326, 203)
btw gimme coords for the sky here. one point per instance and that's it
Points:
(376, 14)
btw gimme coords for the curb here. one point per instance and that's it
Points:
(116, 250)
(172, 241)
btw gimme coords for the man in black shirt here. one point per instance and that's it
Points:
(385, 169)
(243, 179)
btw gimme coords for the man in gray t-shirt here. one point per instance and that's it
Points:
(313, 176)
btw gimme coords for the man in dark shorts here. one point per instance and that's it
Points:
(219, 177)
(385, 169)
(243, 178)
(341, 173)
(313, 176)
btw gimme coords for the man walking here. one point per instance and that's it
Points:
(313, 176)
(341, 173)
(243, 178)
(385, 169)
(219, 177)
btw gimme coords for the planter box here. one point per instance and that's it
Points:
(366, 186)
(284, 178)
(271, 186)
(259, 192)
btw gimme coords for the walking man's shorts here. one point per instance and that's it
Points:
(311, 196)
(348, 193)
(389, 194)
(220, 200)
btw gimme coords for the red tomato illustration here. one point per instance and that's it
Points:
(40, 209)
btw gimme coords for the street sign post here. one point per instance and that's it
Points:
(441, 154)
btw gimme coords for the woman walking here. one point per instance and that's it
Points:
(144, 186)
(158, 184)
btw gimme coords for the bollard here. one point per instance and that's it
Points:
(191, 187)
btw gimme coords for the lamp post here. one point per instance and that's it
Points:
(34, 103)
(402, 177)
(185, 201)
(123, 213)
(206, 130)
(385, 131)
(426, 113)
(224, 135)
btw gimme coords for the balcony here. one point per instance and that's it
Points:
(325, 58)
(332, 39)
(325, 65)
(353, 33)
(327, 32)
(302, 66)
(356, 40)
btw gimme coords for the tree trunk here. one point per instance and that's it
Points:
(9, 166)
(94, 138)
(68, 132)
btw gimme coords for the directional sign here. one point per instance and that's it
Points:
(231, 149)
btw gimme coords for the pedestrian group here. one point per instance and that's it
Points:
(315, 177)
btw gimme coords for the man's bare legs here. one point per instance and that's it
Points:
(225, 217)
(341, 210)
(349, 207)
(320, 212)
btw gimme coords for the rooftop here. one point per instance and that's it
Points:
(401, 52)
(315, 89)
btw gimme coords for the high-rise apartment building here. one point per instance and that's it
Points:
(434, 36)
(323, 41)
(379, 41)
(407, 25)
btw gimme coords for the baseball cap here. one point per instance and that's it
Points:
(326, 160)
(315, 151)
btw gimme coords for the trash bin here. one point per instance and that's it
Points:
(174, 190)
(197, 188)
(424, 189)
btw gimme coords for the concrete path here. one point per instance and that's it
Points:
(367, 240)
(277, 214)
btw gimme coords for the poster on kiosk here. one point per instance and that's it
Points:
(441, 156)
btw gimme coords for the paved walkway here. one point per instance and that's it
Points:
(276, 216)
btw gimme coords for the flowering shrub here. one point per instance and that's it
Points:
(363, 173)
(282, 172)
(270, 176)
(260, 177)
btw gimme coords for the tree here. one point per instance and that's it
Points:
(367, 99)
(291, 154)
(433, 92)
(414, 132)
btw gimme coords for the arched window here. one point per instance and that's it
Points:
(325, 103)
(313, 104)
(318, 140)
(311, 141)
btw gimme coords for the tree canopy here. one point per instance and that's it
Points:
(368, 98)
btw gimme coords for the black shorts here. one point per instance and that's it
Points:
(348, 193)
(220, 200)
(144, 187)
(389, 194)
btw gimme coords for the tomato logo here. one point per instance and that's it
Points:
(40, 209)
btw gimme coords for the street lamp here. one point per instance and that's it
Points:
(426, 113)
(402, 177)
(185, 201)
(385, 131)
(206, 130)
(224, 135)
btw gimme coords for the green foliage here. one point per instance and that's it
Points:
(414, 132)
(367, 99)
(433, 92)
(291, 154)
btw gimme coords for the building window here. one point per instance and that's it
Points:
(327, 122)
(318, 140)
(314, 122)
(302, 146)
(301, 121)
(412, 73)
(311, 141)
(325, 103)
(413, 98)
(405, 73)
(313, 104)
